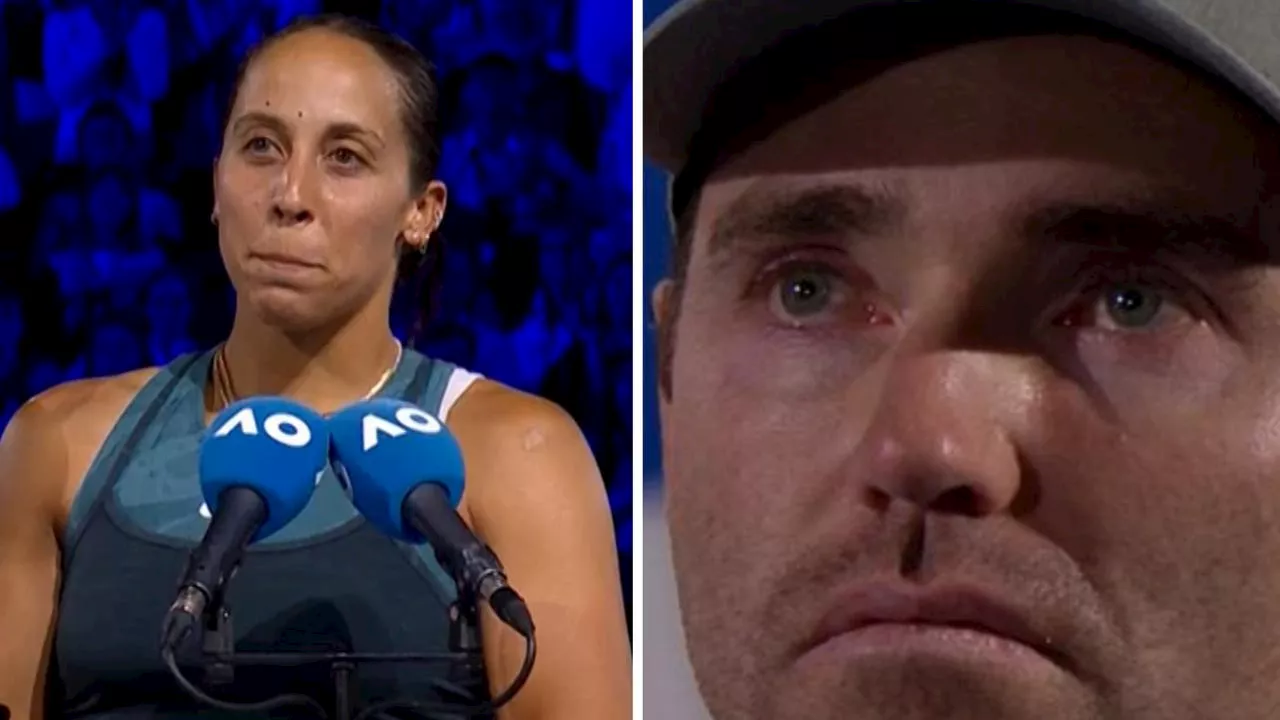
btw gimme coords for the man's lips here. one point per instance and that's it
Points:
(952, 606)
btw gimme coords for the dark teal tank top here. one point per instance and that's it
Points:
(327, 582)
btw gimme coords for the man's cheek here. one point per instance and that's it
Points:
(796, 367)
(1162, 522)
(1153, 380)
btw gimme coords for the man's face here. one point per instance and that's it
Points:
(985, 347)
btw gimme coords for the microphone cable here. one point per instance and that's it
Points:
(485, 708)
(258, 707)
(377, 709)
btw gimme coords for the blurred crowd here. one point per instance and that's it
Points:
(110, 117)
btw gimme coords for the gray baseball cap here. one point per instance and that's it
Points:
(692, 49)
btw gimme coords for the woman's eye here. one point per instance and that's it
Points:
(343, 156)
(258, 145)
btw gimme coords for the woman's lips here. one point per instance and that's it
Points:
(282, 260)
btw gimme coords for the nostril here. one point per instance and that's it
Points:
(294, 217)
(877, 499)
(959, 500)
(956, 500)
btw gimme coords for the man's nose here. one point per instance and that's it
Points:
(294, 196)
(942, 434)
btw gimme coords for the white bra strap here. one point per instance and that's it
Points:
(459, 381)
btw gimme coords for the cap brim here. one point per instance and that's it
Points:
(693, 47)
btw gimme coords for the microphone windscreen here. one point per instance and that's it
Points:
(382, 449)
(271, 445)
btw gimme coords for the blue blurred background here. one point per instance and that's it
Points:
(109, 124)
(657, 243)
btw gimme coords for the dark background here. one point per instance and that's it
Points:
(109, 124)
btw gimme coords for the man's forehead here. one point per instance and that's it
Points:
(1133, 216)
(1081, 121)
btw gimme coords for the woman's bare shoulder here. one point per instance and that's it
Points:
(513, 440)
(57, 433)
(86, 402)
(490, 412)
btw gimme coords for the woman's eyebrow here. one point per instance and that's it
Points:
(354, 130)
(257, 117)
(339, 129)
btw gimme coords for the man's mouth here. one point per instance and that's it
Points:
(951, 620)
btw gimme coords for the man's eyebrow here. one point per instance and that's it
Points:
(1221, 241)
(341, 129)
(813, 211)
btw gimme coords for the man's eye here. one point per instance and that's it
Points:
(1132, 306)
(804, 292)
(1127, 307)
(810, 292)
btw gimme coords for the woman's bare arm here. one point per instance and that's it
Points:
(534, 494)
(32, 464)
(44, 453)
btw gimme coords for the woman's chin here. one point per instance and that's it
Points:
(289, 309)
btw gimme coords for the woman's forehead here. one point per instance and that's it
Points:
(324, 77)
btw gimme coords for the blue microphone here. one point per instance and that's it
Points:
(259, 463)
(405, 473)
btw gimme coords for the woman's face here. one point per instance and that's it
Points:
(312, 188)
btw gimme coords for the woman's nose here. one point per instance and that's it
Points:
(293, 202)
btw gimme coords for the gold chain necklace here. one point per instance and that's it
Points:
(224, 392)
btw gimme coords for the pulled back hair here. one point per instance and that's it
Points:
(419, 100)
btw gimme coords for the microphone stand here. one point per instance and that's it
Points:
(464, 625)
(219, 642)
(221, 659)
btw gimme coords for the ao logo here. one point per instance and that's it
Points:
(407, 418)
(284, 428)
